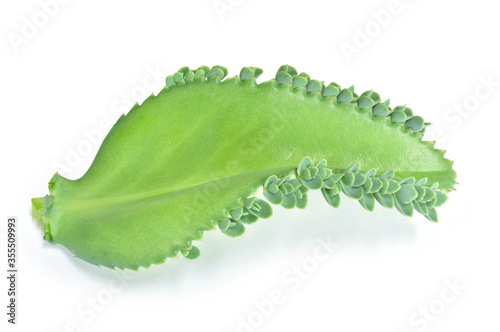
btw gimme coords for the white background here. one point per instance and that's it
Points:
(63, 79)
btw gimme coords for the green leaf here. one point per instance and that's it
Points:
(234, 231)
(441, 198)
(368, 202)
(289, 201)
(248, 218)
(274, 198)
(416, 123)
(315, 183)
(261, 209)
(189, 156)
(333, 200)
(421, 207)
(385, 200)
(393, 187)
(302, 201)
(432, 215)
(191, 254)
(404, 209)
(406, 193)
(224, 224)
(236, 213)
(354, 193)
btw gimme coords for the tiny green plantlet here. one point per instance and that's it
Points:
(193, 157)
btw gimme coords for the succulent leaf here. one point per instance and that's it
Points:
(192, 158)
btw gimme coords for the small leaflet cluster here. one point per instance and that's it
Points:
(367, 187)
(369, 100)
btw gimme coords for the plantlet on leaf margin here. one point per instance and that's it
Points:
(177, 165)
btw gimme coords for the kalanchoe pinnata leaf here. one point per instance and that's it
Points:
(416, 123)
(302, 201)
(349, 179)
(305, 163)
(222, 139)
(272, 188)
(183, 70)
(405, 209)
(406, 193)
(337, 177)
(385, 185)
(250, 72)
(332, 89)
(398, 116)
(385, 200)
(354, 193)
(234, 231)
(315, 183)
(261, 209)
(295, 183)
(224, 224)
(283, 77)
(432, 215)
(189, 76)
(332, 199)
(359, 179)
(305, 75)
(276, 198)
(323, 172)
(335, 190)
(420, 192)
(313, 170)
(237, 213)
(367, 186)
(170, 80)
(246, 73)
(441, 198)
(306, 174)
(299, 82)
(288, 69)
(381, 110)
(314, 85)
(368, 202)
(222, 69)
(372, 94)
(289, 201)
(286, 188)
(365, 102)
(329, 183)
(178, 77)
(198, 74)
(429, 195)
(393, 187)
(345, 96)
(191, 254)
(432, 203)
(421, 207)
(249, 202)
(407, 110)
(377, 185)
(248, 218)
